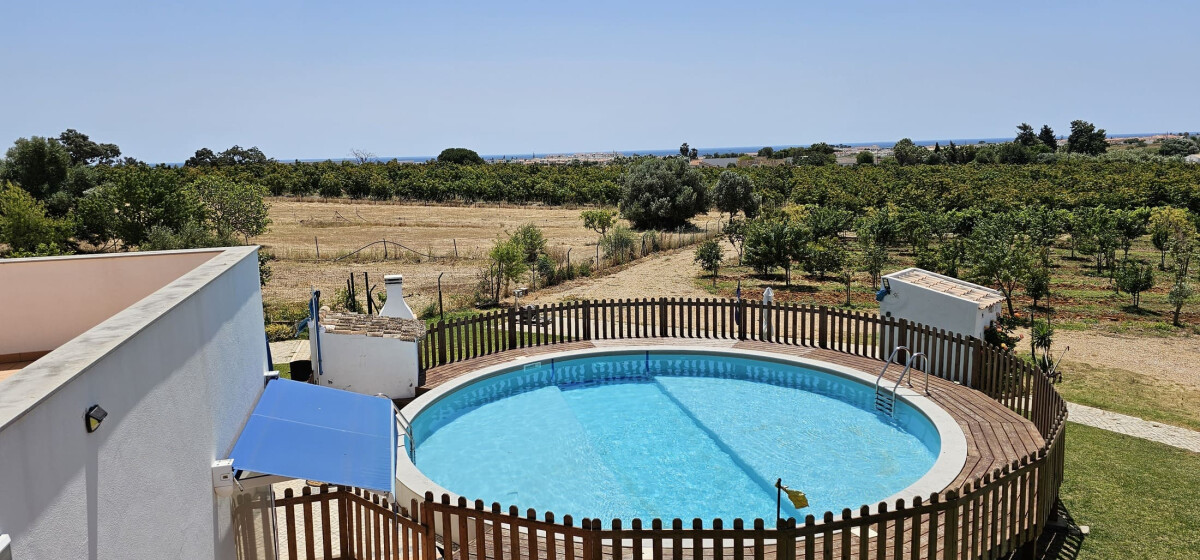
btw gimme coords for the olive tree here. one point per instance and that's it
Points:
(735, 193)
(662, 193)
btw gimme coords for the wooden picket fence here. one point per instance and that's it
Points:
(1002, 512)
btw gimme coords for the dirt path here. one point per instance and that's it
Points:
(1169, 358)
(668, 275)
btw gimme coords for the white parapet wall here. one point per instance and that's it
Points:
(178, 370)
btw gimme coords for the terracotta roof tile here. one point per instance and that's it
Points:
(372, 325)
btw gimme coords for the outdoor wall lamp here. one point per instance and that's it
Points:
(93, 417)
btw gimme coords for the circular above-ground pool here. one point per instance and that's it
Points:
(676, 433)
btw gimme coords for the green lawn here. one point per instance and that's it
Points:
(1140, 499)
(473, 339)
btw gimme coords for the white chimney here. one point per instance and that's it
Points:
(395, 305)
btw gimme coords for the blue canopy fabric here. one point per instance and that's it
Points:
(301, 430)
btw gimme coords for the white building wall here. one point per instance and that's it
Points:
(932, 308)
(368, 364)
(178, 373)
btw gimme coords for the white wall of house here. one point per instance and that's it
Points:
(368, 364)
(179, 373)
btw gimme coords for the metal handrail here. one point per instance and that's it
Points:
(407, 425)
(908, 366)
(891, 360)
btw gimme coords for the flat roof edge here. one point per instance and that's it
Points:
(898, 276)
(43, 378)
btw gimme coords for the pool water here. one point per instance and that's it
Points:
(660, 435)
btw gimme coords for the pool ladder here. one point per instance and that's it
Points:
(885, 400)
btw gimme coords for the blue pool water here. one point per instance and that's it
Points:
(660, 435)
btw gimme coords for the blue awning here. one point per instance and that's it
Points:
(300, 430)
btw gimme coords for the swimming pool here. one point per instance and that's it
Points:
(673, 433)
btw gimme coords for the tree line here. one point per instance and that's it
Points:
(65, 194)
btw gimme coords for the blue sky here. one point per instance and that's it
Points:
(316, 79)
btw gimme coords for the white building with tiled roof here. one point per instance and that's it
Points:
(942, 302)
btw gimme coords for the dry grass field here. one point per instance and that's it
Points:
(429, 235)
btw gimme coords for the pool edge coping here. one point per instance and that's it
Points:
(952, 453)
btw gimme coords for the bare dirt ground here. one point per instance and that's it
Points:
(1168, 358)
(660, 275)
(429, 234)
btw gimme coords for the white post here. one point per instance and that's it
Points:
(768, 297)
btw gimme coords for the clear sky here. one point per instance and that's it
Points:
(310, 79)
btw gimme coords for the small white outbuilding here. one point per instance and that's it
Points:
(938, 301)
(369, 354)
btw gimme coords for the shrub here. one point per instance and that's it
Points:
(709, 255)
(278, 331)
(344, 300)
(618, 245)
(26, 228)
(548, 270)
(428, 311)
(1178, 147)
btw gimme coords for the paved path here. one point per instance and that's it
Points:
(285, 351)
(1182, 438)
